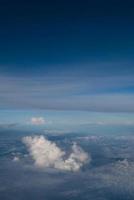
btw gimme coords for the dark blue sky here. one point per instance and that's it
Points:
(67, 55)
(39, 35)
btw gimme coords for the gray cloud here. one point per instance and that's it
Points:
(8, 126)
(68, 93)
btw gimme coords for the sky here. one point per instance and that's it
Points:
(66, 62)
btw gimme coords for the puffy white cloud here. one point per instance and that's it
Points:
(37, 120)
(47, 154)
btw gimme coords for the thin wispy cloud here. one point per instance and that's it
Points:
(92, 93)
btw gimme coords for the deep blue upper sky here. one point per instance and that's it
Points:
(67, 55)
(39, 35)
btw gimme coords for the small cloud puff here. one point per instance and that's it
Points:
(16, 159)
(47, 154)
(37, 121)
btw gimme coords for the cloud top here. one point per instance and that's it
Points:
(47, 154)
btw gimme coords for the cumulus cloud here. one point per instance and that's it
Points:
(37, 120)
(47, 154)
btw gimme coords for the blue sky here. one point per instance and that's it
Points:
(61, 60)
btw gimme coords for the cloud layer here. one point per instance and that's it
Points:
(47, 154)
(92, 93)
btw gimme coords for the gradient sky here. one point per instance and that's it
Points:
(58, 56)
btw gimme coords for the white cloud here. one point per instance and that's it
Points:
(37, 121)
(47, 154)
(16, 159)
